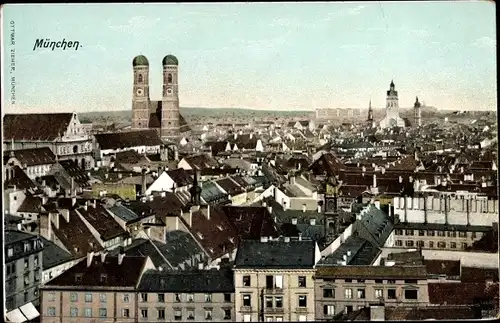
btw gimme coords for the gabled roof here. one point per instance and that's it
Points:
(180, 176)
(101, 221)
(275, 254)
(230, 186)
(122, 140)
(99, 274)
(20, 180)
(250, 222)
(74, 171)
(201, 161)
(33, 157)
(35, 127)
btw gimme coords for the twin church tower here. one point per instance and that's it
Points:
(163, 115)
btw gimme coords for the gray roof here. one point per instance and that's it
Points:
(377, 222)
(53, 255)
(210, 192)
(123, 213)
(15, 236)
(276, 254)
(361, 252)
(194, 281)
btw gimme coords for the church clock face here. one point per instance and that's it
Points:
(139, 92)
(169, 91)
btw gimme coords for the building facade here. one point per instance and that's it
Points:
(23, 275)
(277, 285)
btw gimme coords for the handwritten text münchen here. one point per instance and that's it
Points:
(62, 44)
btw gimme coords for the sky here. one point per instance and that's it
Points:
(279, 56)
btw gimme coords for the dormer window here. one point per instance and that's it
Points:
(78, 278)
(104, 277)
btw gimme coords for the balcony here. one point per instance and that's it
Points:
(245, 309)
(301, 310)
(274, 310)
(274, 291)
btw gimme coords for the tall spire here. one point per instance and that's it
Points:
(370, 111)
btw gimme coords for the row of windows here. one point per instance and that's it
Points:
(275, 281)
(74, 312)
(432, 233)
(277, 301)
(431, 244)
(361, 293)
(160, 297)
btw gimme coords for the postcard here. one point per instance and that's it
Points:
(249, 162)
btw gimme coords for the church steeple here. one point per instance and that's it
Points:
(370, 111)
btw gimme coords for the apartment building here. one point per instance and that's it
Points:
(23, 275)
(437, 236)
(273, 280)
(99, 289)
(349, 288)
(194, 295)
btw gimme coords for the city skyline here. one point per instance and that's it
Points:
(288, 56)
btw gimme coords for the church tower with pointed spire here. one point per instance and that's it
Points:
(370, 112)
(417, 109)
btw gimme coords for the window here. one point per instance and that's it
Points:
(26, 263)
(430, 233)
(88, 312)
(125, 298)
(409, 232)
(361, 293)
(269, 301)
(348, 293)
(126, 312)
(269, 282)
(73, 297)
(411, 294)
(246, 281)
(409, 243)
(398, 232)
(169, 78)
(440, 233)
(328, 293)
(144, 313)
(391, 293)
(247, 318)
(103, 298)
(410, 281)
(379, 293)
(177, 315)
(26, 247)
(227, 298)
(279, 301)
(190, 298)
(51, 296)
(190, 315)
(161, 297)
(103, 312)
(473, 235)
(302, 318)
(144, 297)
(208, 298)
(312, 221)
(26, 280)
(10, 252)
(453, 245)
(379, 281)
(302, 281)
(421, 232)
(161, 313)
(279, 319)
(208, 314)
(177, 298)
(420, 243)
(88, 297)
(247, 300)
(452, 234)
(391, 281)
(51, 311)
(462, 234)
(328, 310)
(139, 78)
(302, 301)
(348, 280)
(73, 312)
(431, 244)
(269, 319)
(227, 314)
(464, 245)
(399, 243)
(441, 244)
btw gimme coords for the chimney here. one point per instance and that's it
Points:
(208, 211)
(106, 176)
(348, 253)
(263, 239)
(300, 236)
(190, 218)
(287, 239)
(319, 208)
(304, 208)
(44, 183)
(45, 199)
(401, 179)
(120, 175)
(143, 182)
(90, 256)
(344, 257)
(73, 201)
(270, 209)
(374, 180)
(383, 170)
(103, 256)
(200, 266)
(121, 255)
(72, 186)
(86, 205)
(390, 210)
(94, 204)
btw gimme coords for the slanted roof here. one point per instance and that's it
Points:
(122, 140)
(20, 180)
(53, 255)
(35, 126)
(180, 176)
(193, 281)
(372, 272)
(12, 236)
(98, 274)
(250, 222)
(33, 157)
(99, 218)
(275, 254)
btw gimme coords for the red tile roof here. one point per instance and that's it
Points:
(35, 127)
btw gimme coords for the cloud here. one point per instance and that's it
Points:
(487, 42)
(135, 24)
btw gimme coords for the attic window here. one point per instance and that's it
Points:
(104, 277)
(78, 278)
